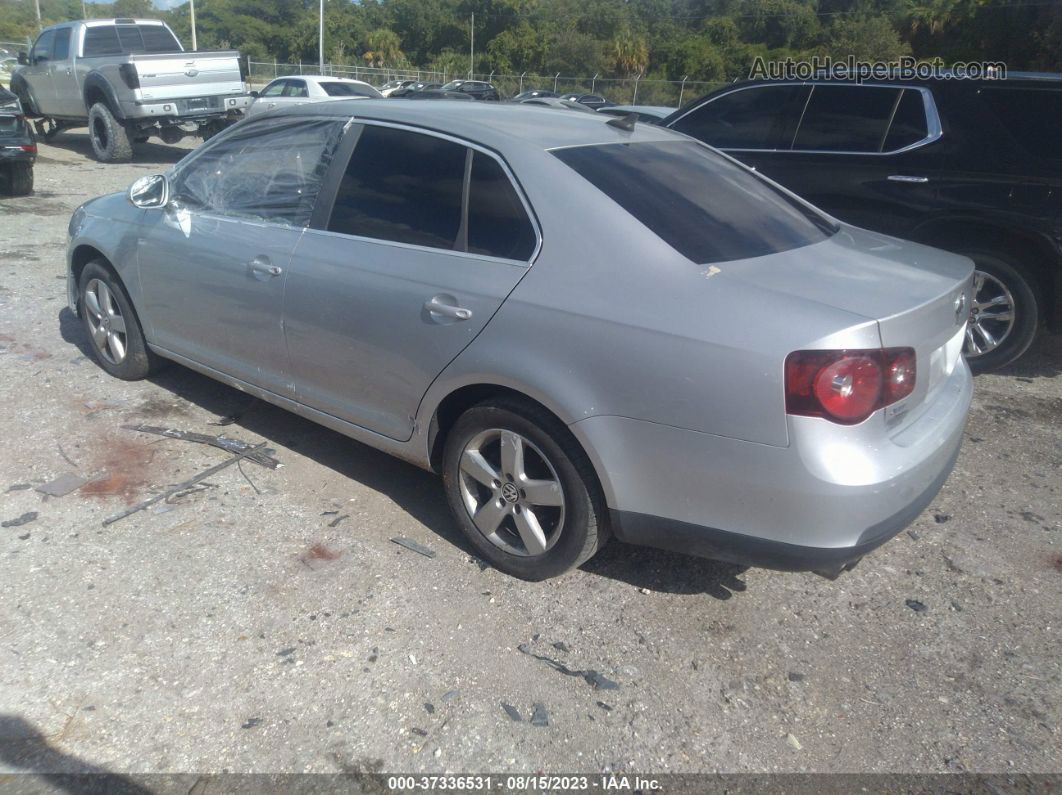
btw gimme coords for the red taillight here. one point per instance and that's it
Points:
(31, 148)
(847, 386)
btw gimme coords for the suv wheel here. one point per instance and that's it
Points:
(1005, 315)
(522, 490)
(112, 326)
(110, 139)
(21, 179)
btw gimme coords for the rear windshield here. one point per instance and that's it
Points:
(8, 125)
(1032, 116)
(704, 206)
(128, 39)
(348, 90)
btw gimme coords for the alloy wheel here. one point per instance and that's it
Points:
(991, 316)
(106, 324)
(512, 492)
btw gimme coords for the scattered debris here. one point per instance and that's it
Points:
(644, 590)
(183, 486)
(251, 723)
(412, 659)
(19, 487)
(941, 518)
(561, 646)
(236, 415)
(450, 695)
(338, 519)
(795, 676)
(437, 753)
(513, 713)
(592, 677)
(24, 538)
(915, 605)
(604, 706)
(794, 742)
(64, 456)
(414, 546)
(429, 707)
(419, 732)
(62, 485)
(539, 716)
(286, 652)
(26, 518)
(914, 534)
(261, 456)
(329, 513)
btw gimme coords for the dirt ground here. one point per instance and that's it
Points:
(266, 622)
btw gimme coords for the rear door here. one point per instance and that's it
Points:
(214, 262)
(68, 99)
(425, 238)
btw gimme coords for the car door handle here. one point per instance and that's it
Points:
(262, 268)
(905, 178)
(436, 307)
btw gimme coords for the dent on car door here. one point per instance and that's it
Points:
(213, 262)
(401, 275)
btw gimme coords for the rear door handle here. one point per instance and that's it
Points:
(261, 268)
(905, 178)
(436, 307)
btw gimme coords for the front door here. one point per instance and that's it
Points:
(38, 73)
(214, 262)
(426, 238)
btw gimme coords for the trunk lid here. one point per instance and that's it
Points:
(181, 75)
(918, 295)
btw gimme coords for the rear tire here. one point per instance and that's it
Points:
(110, 322)
(110, 139)
(21, 179)
(1001, 286)
(552, 490)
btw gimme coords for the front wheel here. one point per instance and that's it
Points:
(522, 490)
(1005, 315)
(112, 326)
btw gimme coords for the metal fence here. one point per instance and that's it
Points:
(633, 90)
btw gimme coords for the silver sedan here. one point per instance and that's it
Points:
(588, 327)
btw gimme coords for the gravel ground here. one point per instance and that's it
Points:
(266, 622)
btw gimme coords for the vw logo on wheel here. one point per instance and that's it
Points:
(510, 492)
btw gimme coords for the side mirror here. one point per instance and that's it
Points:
(150, 192)
(255, 94)
(23, 59)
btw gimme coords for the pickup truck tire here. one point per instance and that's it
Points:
(110, 139)
(21, 179)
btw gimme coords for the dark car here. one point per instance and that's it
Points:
(18, 147)
(534, 93)
(971, 166)
(594, 101)
(475, 89)
(412, 88)
(438, 93)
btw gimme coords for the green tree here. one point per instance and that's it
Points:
(628, 53)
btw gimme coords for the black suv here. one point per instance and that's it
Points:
(18, 147)
(971, 166)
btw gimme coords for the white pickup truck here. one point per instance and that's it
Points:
(127, 79)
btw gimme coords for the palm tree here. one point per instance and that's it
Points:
(383, 47)
(628, 52)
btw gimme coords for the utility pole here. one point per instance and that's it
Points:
(471, 45)
(320, 38)
(191, 13)
(37, 4)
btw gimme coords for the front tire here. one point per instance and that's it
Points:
(1005, 316)
(522, 490)
(111, 324)
(110, 139)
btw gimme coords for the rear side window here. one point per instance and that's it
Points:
(704, 206)
(498, 225)
(101, 40)
(909, 123)
(269, 171)
(348, 90)
(158, 38)
(751, 118)
(61, 48)
(1032, 116)
(403, 187)
(846, 119)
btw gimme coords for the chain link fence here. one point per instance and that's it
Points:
(625, 91)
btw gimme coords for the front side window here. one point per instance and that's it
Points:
(402, 186)
(42, 48)
(846, 119)
(269, 171)
(295, 88)
(750, 118)
(704, 206)
(61, 47)
(274, 89)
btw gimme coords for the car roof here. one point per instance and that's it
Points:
(663, 110)
(494, 125)
(320, 78)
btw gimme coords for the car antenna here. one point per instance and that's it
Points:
(625, 123)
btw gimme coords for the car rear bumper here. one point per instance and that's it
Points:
(817, 505)
(16, 154)
(190, 108)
